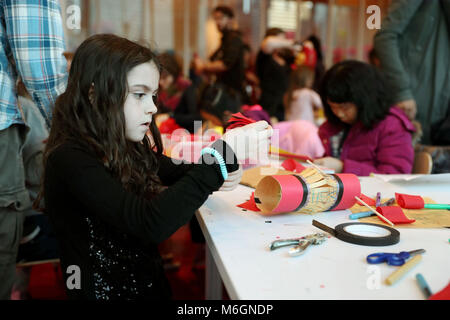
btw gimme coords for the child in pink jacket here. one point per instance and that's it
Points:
(363, 134)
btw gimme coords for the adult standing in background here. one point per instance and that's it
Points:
(413, 46)
(227, 62)
(32, 46)
(319, 68)
(273, 69)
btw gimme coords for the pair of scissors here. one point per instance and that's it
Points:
(300, 244)
(393, 259)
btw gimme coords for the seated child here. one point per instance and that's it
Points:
(300, 100)
(363, 134)
(300, 137)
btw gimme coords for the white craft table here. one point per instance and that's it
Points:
(238, 251)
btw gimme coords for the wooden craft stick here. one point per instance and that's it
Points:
(374, 211)
(316, 167)
(400, 272)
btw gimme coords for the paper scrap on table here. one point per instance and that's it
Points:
(394, 214)
(366, 199)
(409, 201)
(249, 204)
(444, 294)
(292, 165)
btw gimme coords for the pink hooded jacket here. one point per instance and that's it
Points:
(386, 148)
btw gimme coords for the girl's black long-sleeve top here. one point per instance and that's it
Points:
(108, 236)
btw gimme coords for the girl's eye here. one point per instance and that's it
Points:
(155, 98)
(139, 95)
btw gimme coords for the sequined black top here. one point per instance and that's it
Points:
(109, 236)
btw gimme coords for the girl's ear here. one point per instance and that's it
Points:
(91, 94)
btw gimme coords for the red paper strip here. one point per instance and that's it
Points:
(292, 165)
(444, 294)
(394, 214)
(408, 201)
(366, 199)
(238, 120)
(250, 204)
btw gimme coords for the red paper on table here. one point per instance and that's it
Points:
(292, 165)
(250, 204)
(444, 294)
(366, 199)
(238, 120)
(394, 214)
(408, 201)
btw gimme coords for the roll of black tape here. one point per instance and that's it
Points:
(386, 235)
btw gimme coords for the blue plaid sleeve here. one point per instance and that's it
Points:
(33, 37)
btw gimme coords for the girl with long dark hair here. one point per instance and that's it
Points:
(111, 195)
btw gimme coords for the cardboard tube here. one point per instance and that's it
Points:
(278, 194)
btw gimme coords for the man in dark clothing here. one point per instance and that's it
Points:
(227, 62)
(413, 46)
(273, 68)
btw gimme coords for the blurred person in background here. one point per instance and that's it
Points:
(413, 46)
(273, 68)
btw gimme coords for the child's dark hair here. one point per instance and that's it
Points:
(358, 83)
(273, 32)
(227, 11)
(90, 112)
(170, 64)
(302, 77)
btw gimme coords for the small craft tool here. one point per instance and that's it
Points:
(378, 199)
(378, 214)
(400, 272)
(300, 244)
(393, 259)
(423, 285)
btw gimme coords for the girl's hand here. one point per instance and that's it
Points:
(232, 181)
(409, 107)
(331, 163)
(250, 141)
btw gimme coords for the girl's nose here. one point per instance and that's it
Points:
(151, 108)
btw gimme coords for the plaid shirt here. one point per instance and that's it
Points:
(31, 46)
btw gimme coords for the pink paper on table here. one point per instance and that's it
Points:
(409, 201)
(292, 165)
(394, 214)
(250, 204)
(366, 199)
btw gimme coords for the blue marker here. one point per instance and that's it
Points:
(358, 215)
(423, 285)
